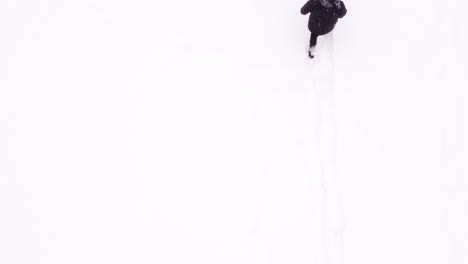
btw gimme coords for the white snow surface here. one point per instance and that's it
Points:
(198, 132)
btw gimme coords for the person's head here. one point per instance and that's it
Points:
(329, 3)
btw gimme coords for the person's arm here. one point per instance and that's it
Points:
(341, 10)
(307, 8)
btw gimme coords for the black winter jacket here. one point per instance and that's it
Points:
(322, 20)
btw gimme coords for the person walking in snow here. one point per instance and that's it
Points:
(324, 15)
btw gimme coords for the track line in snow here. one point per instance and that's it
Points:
(326, 137)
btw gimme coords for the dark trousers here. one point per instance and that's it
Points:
(313, 40)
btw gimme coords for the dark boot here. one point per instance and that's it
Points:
(312, 43)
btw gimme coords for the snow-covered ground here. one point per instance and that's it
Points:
(186, 132)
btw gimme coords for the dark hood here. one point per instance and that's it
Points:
(329, 3)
